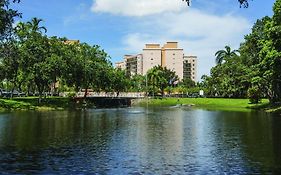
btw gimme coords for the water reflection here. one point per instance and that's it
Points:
(140, 141)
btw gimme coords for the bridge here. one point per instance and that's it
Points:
(112, 95)
(110, 99)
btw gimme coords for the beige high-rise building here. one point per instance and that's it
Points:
(170, 56)
(152, 56)
(190, 67)
(120, 65)
(134, 64)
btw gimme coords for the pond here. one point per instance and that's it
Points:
(140, 141)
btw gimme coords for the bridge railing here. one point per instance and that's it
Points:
(113, 94)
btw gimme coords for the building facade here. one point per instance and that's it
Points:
(151, 57)
(190, 67)
(172, 58)
(120, 65)
(133, 64)
(169, 55)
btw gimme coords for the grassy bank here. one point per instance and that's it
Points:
(59, 103)
(32, 103)
(208, 103)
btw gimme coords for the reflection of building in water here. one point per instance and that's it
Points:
(160, 139)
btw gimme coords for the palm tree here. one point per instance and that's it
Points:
(223, 55)
(34, 25)
(21, 29)
(153, 77)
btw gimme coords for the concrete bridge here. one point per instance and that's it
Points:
(109, 99)
(128, 95)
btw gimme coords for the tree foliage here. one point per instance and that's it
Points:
(243, 3)
(159, 78)
(256, 72)
(224, 55)
(35, 63)
(7, 16)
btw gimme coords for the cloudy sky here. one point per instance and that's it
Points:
(124, 26)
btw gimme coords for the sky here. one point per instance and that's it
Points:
(124, 26)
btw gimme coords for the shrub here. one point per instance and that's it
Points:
(254, 95)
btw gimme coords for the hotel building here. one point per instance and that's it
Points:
(170, 56)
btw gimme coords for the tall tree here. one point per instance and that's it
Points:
(224, 55)
(35, 51)
(34, 25)
(119, 81)
(270, 66)
(160, 78)
(7, 17)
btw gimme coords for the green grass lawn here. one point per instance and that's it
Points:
(32, 103)
(7, 104)
(58, 103)
(208, 103)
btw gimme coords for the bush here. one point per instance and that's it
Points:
(71, 94)
(254, 95)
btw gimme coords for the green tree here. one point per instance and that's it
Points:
(7, 17)
(10, 62)
(160, 78)
(224, 55)
(120, 81)
(270, 65)
(34, 25)
(188, 83)
(35, 52)
(137, 83)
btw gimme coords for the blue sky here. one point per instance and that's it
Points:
(124, 26)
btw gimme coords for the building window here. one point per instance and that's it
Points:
(151, 59)
(193, 65)
(174, 54)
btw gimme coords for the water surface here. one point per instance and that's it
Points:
(140, 141)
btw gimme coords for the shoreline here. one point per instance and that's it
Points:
(64, 103)
(225, 104)
(31, 104)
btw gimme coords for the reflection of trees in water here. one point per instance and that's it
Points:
(30, 129)
(276, 141)
(35, 140)
(258, 135)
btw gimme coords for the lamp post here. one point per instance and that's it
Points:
(146, 85)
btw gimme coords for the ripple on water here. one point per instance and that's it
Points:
(129, 141)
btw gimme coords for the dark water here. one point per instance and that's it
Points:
(140, 141)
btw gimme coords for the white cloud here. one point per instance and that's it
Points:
(137, 7)
(199, 32)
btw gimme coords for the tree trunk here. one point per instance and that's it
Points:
(86, 92)
(40, 90)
